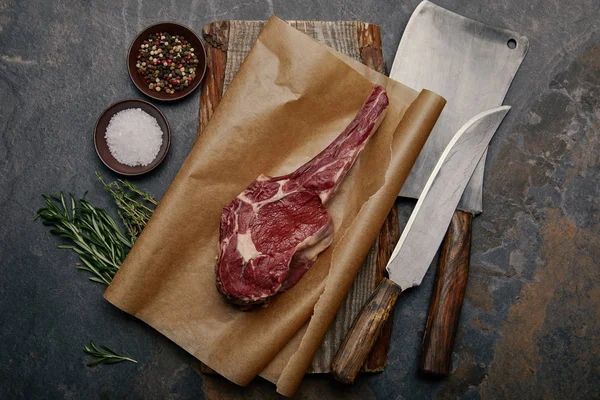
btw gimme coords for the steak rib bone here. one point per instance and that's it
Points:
(273, 231)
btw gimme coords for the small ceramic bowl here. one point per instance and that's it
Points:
(102, 147)
(173, 29)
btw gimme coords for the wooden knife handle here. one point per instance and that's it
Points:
(364, 331)
(447, 297)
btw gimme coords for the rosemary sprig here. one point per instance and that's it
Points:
(135, 207)
(105, 355)
(93, 234)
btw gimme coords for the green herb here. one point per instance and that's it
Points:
(135, 207)
(97, 239)
(93, 234)
(105, 355)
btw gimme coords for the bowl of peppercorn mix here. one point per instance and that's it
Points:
(166, 61)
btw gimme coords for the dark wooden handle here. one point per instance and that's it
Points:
(363, 333)
(447, 297)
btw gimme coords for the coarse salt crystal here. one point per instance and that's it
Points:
(134, 137)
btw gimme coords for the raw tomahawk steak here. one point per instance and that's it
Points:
(272, 233)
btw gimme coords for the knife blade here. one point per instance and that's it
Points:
(430, 218)
(421, 237)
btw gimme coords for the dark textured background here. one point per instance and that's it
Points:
(529, 327)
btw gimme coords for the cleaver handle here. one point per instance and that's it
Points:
(447, 297)
(364, 331)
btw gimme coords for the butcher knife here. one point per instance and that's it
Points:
(421, 237)
(471, 65)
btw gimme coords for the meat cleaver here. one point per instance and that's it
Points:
(472, 65)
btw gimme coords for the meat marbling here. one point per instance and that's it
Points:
(273, 231)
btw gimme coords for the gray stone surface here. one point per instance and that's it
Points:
(529, 327)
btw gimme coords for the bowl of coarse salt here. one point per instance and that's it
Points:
(132, 137)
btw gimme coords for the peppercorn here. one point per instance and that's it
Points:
(167, 61)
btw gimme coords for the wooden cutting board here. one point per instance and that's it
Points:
(228, 43)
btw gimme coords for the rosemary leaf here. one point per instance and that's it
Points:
(93, 235)
(104, 355)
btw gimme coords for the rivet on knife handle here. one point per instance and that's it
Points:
(447, 298)
(366, 328)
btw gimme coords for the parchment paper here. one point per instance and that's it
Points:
(291, 97)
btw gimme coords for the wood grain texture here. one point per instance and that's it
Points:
(228, 44)
(369, 39)
(364, 332)
(216, 36)
(388, 237)
(447, 297)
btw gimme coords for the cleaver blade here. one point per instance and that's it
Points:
(471, 65)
